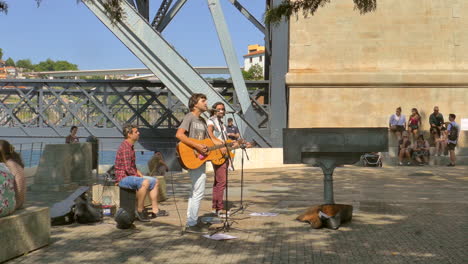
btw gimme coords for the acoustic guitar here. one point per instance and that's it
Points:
(190, 158)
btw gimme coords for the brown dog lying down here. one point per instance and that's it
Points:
(328, 215)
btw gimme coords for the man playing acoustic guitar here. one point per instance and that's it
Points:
(194, 126)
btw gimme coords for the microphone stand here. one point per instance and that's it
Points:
(242, 207)
(227, 226)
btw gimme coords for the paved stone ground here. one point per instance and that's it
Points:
(401, 215)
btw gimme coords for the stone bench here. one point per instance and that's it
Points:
(24, 231)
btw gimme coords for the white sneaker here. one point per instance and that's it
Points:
(400, 163)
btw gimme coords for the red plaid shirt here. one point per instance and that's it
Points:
(125, 161)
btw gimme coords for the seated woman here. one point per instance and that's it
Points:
(157, 166)
(421, 150)
(441, 142)
(414, 123)
(15, 165)
(7, 189)
(397, 123)
(404, 149)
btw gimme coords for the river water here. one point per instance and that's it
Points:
(32, 148)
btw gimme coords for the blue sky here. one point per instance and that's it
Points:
(65, 30)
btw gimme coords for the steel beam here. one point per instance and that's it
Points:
(162, 59)
(170, 15)
(231, 59)
(278, 69)
(248, 15)
(162, 11)
(143, 8)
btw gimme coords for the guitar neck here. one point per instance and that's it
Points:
(221, 146)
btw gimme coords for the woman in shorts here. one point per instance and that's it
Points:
(421, 150)
(414, 123)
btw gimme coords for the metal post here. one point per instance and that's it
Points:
(30, 154)
(278, 69)
(328, 167)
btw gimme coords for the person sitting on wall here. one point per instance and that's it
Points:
(404, 149)
(441, 142)
(421, 150)
(7, 188)
(157, 166)
(16, 166)
(436, 120)
(72, 138)
(129, 177)
(397, 123)
(414, 123)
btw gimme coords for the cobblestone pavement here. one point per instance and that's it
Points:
(401, 215)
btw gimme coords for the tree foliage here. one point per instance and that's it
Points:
(254, 73)
(25, 64)
(309, 7)
(51, 65)
(1, 53)
(9, 62)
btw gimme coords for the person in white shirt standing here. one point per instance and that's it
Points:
(217, 131)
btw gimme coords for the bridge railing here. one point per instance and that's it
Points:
(92, 104)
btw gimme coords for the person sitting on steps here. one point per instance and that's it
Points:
(404, 149)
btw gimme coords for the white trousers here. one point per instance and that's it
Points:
(197, 191)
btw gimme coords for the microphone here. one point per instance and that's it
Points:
(226, 112)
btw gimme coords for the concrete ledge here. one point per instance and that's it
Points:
(260, 158)
(112, 193)
(26, 230)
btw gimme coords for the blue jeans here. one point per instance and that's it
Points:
(135, 182)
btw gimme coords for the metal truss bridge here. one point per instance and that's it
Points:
(48, 108)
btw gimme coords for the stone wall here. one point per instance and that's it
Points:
(64, 166)
(352, 70)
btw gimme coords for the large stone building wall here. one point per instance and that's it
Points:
(352, 70)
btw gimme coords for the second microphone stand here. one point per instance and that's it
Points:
(227, 226)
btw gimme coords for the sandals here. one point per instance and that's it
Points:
(158, 214)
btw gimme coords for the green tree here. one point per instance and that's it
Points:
(254, 73)
(51, 65)
(1, 53)
(10, 62)
(26, 64)
(65, 66)
(308, 7)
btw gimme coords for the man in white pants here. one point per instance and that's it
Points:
(194, 126)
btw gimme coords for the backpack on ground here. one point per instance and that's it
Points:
(453, 134)
(85, 212)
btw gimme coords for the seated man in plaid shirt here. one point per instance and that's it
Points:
(128, 176)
